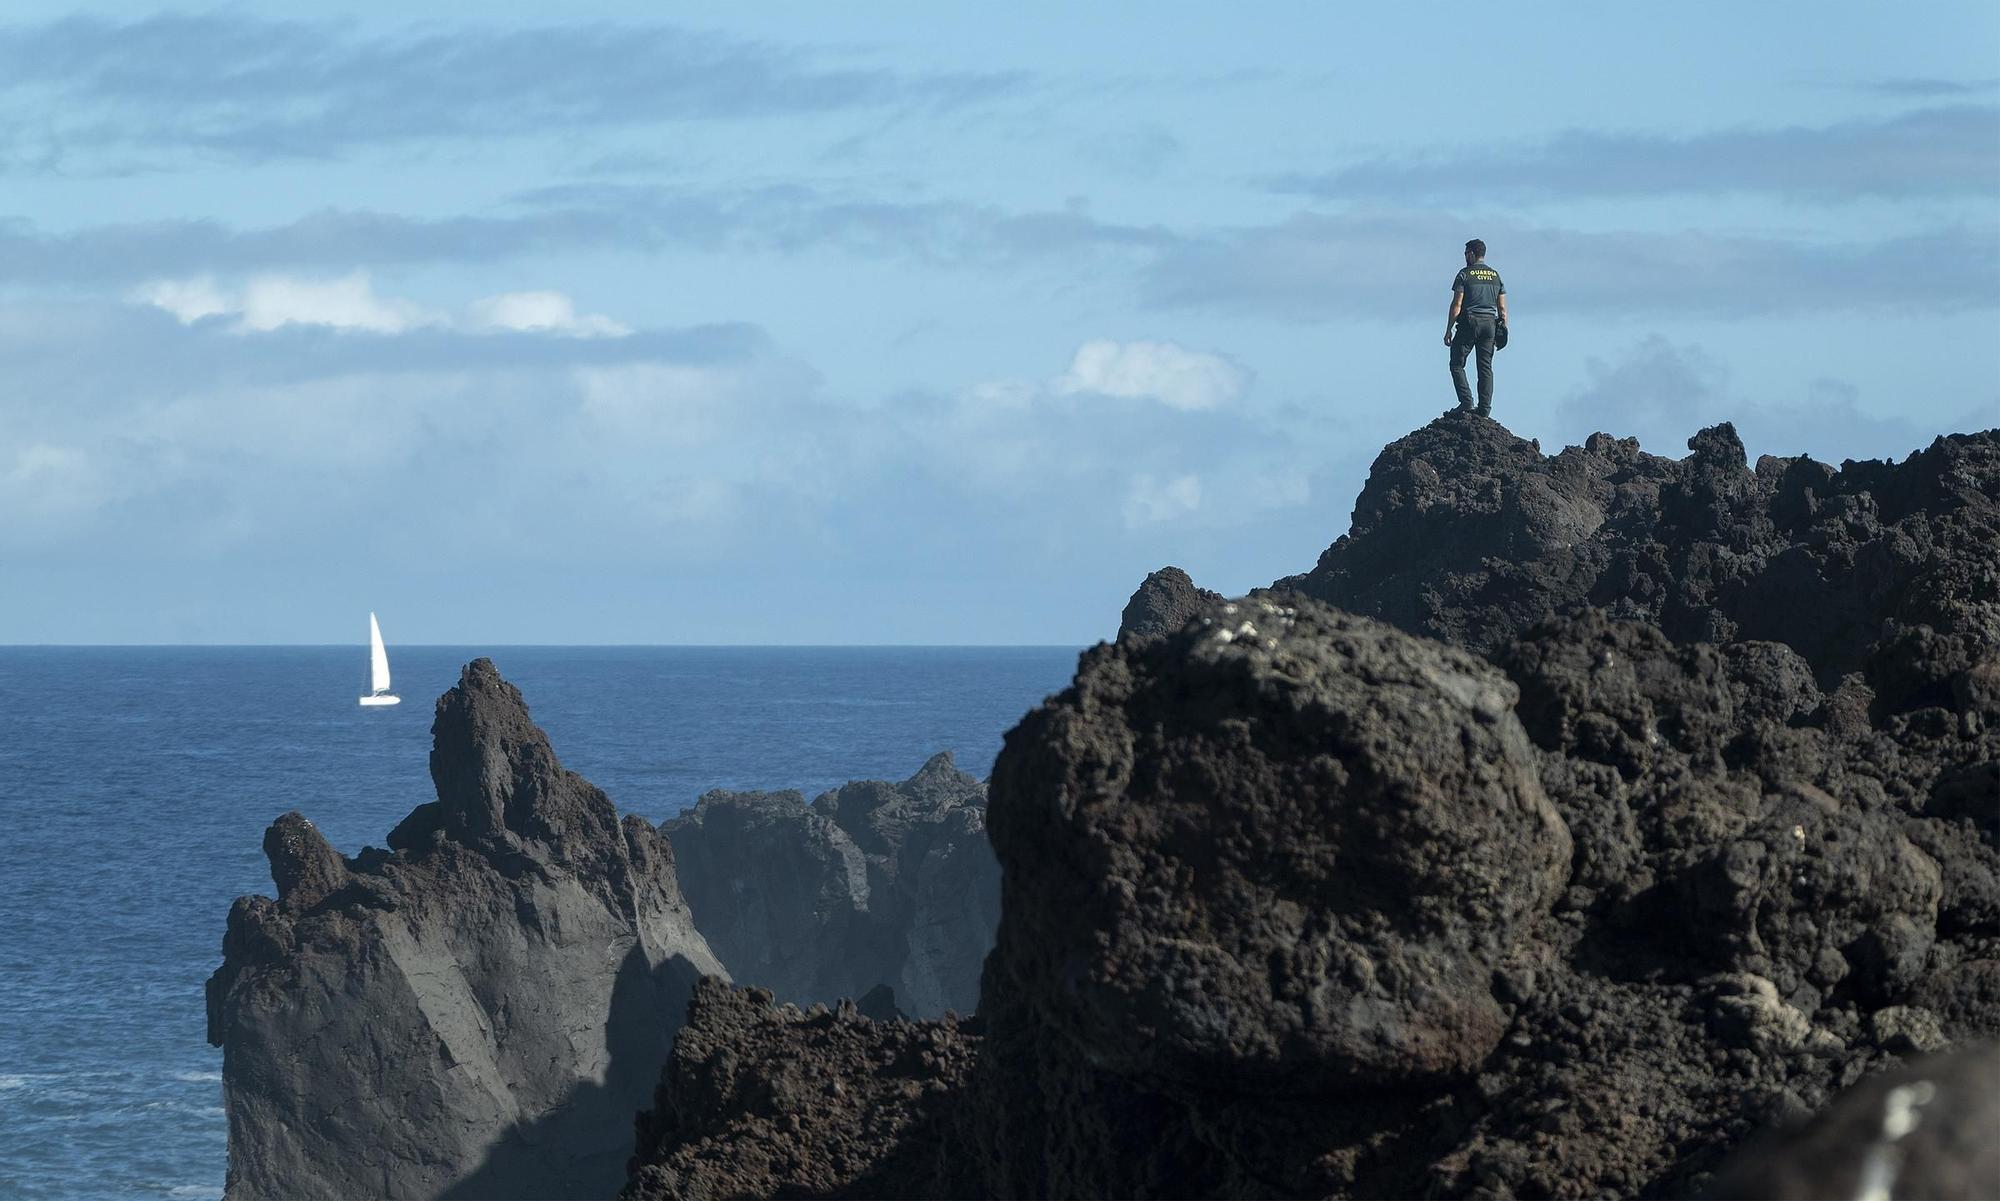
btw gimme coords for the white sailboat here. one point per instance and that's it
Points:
(378, 669)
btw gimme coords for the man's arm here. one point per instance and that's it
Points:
(1503, 308)
(1451, 318)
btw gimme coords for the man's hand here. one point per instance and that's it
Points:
(1447, 339)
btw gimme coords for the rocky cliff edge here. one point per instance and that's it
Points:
(1663, 813)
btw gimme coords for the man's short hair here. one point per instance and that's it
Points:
(1477, 247)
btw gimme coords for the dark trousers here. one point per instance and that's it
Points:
(1473, 333)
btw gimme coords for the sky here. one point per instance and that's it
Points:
(875, 323)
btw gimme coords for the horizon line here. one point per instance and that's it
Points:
(411, 646)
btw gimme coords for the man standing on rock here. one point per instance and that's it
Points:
(1478, 312)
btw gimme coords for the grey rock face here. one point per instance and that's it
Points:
(872, 884)
(477, 1013)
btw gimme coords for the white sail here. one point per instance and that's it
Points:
(378, 658)
(378, 667)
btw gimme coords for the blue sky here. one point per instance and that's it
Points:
(804, 323)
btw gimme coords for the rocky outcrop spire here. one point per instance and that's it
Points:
(478, 1012)
(1163, 604)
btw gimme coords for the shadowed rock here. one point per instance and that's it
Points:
(767, 1100)
(477, 1013)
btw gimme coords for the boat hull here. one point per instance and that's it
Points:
(382, 699)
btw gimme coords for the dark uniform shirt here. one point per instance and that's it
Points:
(1483, 289)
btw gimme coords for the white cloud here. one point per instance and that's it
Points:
(542, 312)
(189, 300)
(1149, 500)
(349, 302)
(273, 301)
(268, 302)
(1163, 371)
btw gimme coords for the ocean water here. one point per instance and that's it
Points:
(136, 783)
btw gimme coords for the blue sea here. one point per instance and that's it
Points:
(136, 783)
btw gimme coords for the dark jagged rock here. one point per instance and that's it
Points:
(763, 1100)
(477, 1013)
(1297, 903)
(1467, 533)
(1164, 603)
(872, 884)
(1926, 1130)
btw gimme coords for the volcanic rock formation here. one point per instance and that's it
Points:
(476, 1012)
(1668, 813)
(872, 884)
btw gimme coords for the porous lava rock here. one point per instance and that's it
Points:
(476, 1012)
(1661, 811)
(1267, 860)
(768, 1100)
(872, 885)
(1286, 850)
